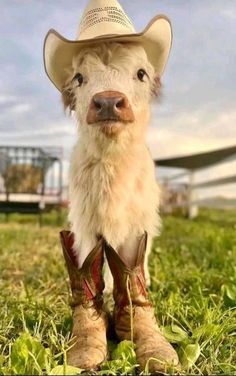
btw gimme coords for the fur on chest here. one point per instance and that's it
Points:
(106, 186)
(112, 197)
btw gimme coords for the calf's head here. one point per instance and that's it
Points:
(109, 87)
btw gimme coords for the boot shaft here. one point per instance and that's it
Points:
(129, 283)
(86, 282)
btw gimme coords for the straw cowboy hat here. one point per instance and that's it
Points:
(105, 20)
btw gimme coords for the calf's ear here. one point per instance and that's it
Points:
(156, 87)
(68, 99)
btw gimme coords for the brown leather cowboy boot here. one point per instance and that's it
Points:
(134, 315)
(89, 320)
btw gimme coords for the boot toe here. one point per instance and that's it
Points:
(157, 357)
(89, 360)
(156, 364)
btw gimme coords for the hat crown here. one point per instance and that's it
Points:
(105, 21)
(104, 17)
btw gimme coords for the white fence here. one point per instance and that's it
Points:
(184, 195)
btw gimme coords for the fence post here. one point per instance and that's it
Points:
(192, 207)
(60, 177)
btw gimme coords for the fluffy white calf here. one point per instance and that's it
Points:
(112, 186)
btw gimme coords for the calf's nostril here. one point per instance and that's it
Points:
(119, 103)
(97, 104)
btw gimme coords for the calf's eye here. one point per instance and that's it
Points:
(78, 78)
(141, 74)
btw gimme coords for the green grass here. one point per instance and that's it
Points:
(193, 268)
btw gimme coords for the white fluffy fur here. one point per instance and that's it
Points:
(112, 185)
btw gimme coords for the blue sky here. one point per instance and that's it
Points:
(198, 109)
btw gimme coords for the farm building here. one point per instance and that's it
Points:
(30, 179)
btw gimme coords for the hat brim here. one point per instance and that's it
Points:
(58, 51)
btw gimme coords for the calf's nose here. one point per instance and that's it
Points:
(109, 105)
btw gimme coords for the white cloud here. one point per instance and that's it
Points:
(229, 13)
(5, 99)
(188, 132)
(21, 108)
(169, 143)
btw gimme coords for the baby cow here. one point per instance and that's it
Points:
(107, 77)
(114, 194)
(112, 185)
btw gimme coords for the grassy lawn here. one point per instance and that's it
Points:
(193, 268)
